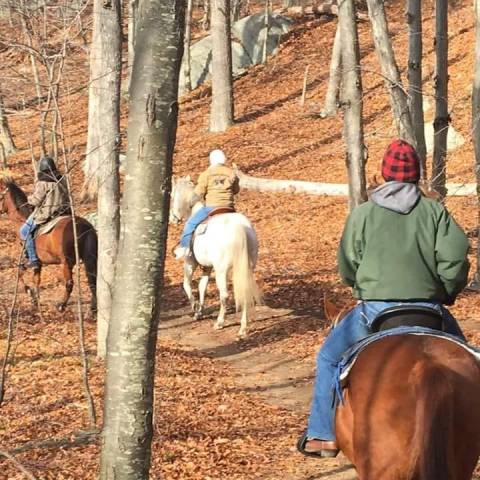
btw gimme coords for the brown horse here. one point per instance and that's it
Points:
(56, 247)
(412, 410)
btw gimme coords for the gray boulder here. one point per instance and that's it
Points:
(248, 36)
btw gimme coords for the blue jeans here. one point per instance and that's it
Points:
(192, 223)
(26, 233)
(355, 326)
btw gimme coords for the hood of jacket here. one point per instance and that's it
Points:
(399, 197)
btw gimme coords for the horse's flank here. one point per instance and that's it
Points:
(412, 410)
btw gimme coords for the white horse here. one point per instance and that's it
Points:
(229, 242)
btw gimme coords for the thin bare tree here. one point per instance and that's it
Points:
(188, 40)
(152, 123)
(102, 162)
(206, 15)
(415, 89)
(475, 284)
(330, 107)
(442, 118)
(388, 65)
(7, 145)
(221, 111)
(353, 104)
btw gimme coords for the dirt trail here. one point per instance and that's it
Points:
(280, 379)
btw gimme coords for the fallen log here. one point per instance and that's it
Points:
(326, 8)
(329, 189)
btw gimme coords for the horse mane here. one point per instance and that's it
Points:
(18, 196)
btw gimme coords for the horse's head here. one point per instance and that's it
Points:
(181, 199)
(4, 189)
(12, 199)
(333, 313)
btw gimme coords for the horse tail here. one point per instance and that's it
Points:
(88, 250)
(431, 452)
(245, 289)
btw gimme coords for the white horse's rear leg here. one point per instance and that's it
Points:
(221, 280)
(202, 288)
(242, 333)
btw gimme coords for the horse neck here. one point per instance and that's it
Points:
(13, 210)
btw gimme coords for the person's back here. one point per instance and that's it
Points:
(402, 246)
(216, 187)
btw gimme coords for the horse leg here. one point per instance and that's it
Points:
(24, 286)
(202, 288)
(188, 269)
(242, 333)
(221, 280)
(67, 277)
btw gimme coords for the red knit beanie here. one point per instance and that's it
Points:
(401, 163)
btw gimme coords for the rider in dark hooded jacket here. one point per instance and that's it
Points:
(49, 199)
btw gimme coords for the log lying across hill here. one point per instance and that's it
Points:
(330, 189)
(326, 8)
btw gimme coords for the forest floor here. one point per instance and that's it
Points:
(226, 408)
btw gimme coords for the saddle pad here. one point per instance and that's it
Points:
(49, 226)
(351, 355)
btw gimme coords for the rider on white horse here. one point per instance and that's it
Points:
(216, 186)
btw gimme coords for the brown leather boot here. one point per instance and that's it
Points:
(314, 447)
(323, 448)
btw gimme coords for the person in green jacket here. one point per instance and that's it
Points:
(399, 247)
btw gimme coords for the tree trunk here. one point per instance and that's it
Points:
(236, 9)
(206, 15)
(28, 34)
(221, 112)
(102, 163)
(353, 103)
(386, 57)
(127, 432)
(6, 139)
(331, 100)
(440, 124)
(186, 52)
(414, 20)
(476, 131)
(132, 19)
(266, 24)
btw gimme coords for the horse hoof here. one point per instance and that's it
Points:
(242, 335)
(61, 307)
(218, 326)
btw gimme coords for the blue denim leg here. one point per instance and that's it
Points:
(192, 223)
(26, 233)
(353, 328)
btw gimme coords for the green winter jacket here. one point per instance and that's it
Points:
(419, 253)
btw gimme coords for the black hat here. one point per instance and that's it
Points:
(47, 165)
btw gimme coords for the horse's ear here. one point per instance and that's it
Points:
(331, 310)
